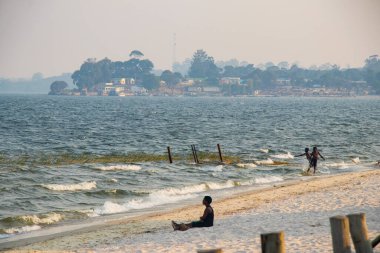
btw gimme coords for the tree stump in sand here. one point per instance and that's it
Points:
(273, 242)
(359, 233)
(340, 234)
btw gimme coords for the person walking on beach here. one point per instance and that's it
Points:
(207, 219)
(308, 157)
(314, 158)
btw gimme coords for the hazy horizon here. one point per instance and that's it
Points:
(54, 37)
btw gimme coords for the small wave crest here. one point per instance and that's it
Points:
(340, 165)
(43, 219)
(246, 165)
(268, 179)
(283, 156)
(126, 167)
(40, 219)
(71, 187)
(19, 230)
(264, 150)
(114, 193)
(218, 168)
(265, 162)
(163, 196)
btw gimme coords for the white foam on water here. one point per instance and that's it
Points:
(129, 167)
(163, 196)
(71, 187)
(268, 179)
(264, 150)
(265, 162)
(356, 160)
(283, 156)
(22, 229)
(246, 165)
(218, 168)
(153, 200)
(339, 165)
(43, 219)
(218, 186)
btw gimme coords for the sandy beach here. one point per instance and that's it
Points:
(301, 209)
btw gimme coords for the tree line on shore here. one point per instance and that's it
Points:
(203, 68)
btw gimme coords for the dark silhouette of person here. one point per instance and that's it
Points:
(206, 220)
(314, 158)
(308, 157)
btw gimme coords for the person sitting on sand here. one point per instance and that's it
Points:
(207, 220)
(308, 157)
(314, 158)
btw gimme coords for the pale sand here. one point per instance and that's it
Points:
(301, 210)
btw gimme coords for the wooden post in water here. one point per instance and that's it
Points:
(359, 233)
(170, 155)
(194, 154)
(210, 251)
(273, 242)
(340, 234)
(220, 153)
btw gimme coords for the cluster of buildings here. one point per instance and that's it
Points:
(285, 88)
(117, 87)
(121, 87)
(197, 87)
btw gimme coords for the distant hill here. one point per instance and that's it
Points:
(32, 86)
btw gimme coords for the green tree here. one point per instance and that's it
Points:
(372, 72)
(85, 76)
(170, 78)
(150, 82)
(203, 66)
(136, 54)
(57, 87)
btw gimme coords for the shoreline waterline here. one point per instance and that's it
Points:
(116, 226)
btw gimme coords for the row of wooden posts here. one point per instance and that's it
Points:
(195, 155)
(341, 228)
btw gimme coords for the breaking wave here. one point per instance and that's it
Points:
(20, 230)
(43, 219)
(164, 196)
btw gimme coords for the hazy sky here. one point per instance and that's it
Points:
(56, 36)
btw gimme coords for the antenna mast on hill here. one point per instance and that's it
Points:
(174, 51)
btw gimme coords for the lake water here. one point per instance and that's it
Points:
(64, 159)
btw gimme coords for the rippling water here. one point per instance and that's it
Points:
(68, 158)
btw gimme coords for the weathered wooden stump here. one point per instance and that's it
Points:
(359, 233)
(340, 234)
(273, 242)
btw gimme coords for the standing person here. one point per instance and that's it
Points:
(206, 220)
(314, 158)
(308, 157)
